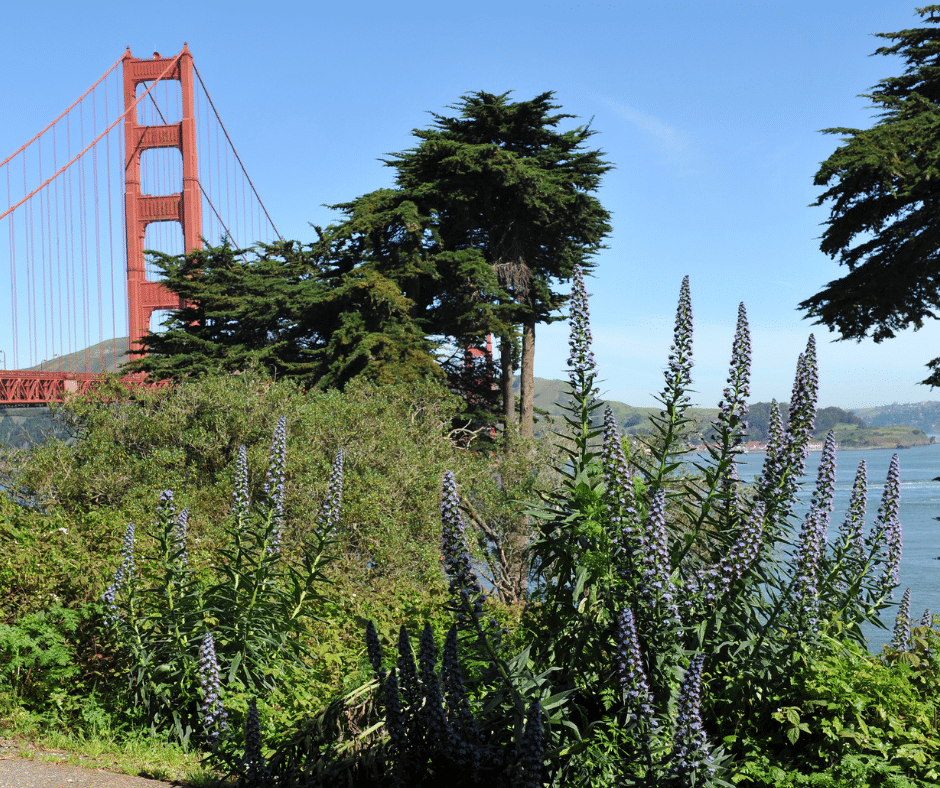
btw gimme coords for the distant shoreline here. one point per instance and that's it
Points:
(818, 447)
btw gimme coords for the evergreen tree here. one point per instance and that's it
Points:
(883, 192)
(284, 309)
(489, 212)
(491, 208)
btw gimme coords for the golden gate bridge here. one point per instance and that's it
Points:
(141, 161)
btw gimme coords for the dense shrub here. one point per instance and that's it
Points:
(76, 497)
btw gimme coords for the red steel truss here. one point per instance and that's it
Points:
(38, 388)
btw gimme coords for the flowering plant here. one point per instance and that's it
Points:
(668, 604)
(188, 638)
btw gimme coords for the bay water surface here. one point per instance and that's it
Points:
(919, 510)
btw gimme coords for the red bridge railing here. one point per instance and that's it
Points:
(38, 388)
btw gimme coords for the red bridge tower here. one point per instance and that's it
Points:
(145, 296)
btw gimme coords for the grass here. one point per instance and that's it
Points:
(134, 752)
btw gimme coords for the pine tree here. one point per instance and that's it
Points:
(285, 309)
(491, 208)
(883, 192)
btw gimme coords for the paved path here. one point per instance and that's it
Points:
(24, 773)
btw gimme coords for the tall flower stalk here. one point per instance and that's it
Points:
(582, 374)
(124, 576)
(811, 551)
(465, 590)
(690, 760)
(901, 639)
(213, 716)
(672, 420)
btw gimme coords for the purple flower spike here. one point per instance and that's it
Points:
(437, 728)
(630, 667)
(214, 718)
(656, 566)
(616, 472)
(277, 461)
(179, 537)
(826, 476)
(812, 545)
(457, 564)
(329, 512)
(458, 704)
(691, 758)
(733, 409)
(772, 470)
(166, 502)
(374, 650)
(274, 482)
(926, 620)
(621, 506)
(851, 537)
(679, 372)
(123, 575)
(803, 400)
(530, 748)
(744, 551)
(888, 527)
(253, 765)
(395, 719)
(787, 450)
(240, 499)
(581, 365)
(901, 640)
(656, 584)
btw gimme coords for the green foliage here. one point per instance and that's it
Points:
(881, 192)
(36, 655)
(851, 716)
(253, 603)
(48, 558)
(286, 309)
(125, 453)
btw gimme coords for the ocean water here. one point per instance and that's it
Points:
(919, 508)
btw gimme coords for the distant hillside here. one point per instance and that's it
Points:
(106, 356)
(551, 394)
(922, 415)
(851, 428)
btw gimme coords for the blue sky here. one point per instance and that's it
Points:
(709, 111)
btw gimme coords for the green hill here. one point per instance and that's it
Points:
(550, 395)
(106, 356)
(850, 427)
(922, 415)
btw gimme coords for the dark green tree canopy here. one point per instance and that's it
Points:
(287, 309)
(500, 204)
(883, 192)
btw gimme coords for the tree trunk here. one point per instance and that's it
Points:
(505, 380)
(527, 379)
